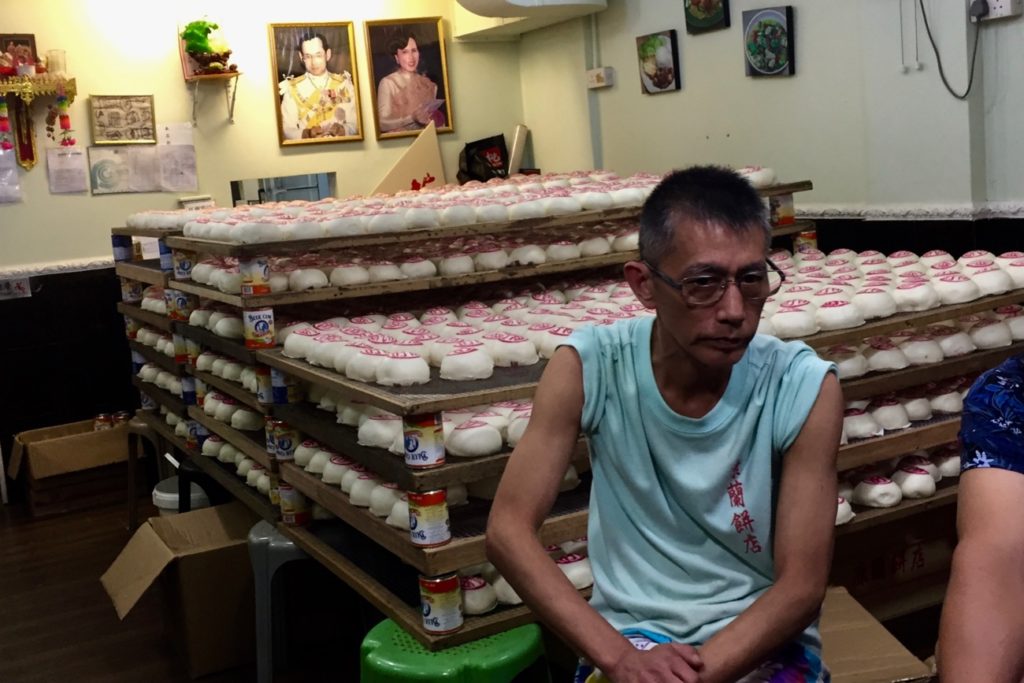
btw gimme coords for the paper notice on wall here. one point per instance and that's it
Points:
(10, 185)
(145, 169)
(18, 288)
(124, 169)
(174, 134)
(177, 168)
(67, 170)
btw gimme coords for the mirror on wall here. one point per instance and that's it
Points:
(310, 187)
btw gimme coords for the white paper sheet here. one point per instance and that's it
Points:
(124, 169)
(18, 288)
(67, 170)
(145, 169)
(175, 133)
(177, 168)
(10, 184)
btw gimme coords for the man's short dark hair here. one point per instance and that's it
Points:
(706, 195)
(310, 35)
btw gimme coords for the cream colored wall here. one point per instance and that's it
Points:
(128, 47)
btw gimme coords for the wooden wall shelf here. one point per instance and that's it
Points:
(321, 426)
(253, 444)
(154, 320)
(868, 518)
(165, 362)
(232, 389)
(143, 271)
(435, 396)
(867, 451)
(463, 550)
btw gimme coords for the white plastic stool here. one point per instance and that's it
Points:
(268, 550)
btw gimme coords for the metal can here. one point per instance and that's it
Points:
(166, 257)
(131, 290)
(122, 245)
(429, 525)
(259, 328)
(183, 262)
(424, 441)
(122, 417)
(138, 360)
(286, 438)
(284, 387)
(179, 304)
(131, 327)
(188, 390)
(270, 425)
(180, 349)
(294, 506)
(275, 491)
(264, 387)
(201, 391)
(255, 276)
(102, 421)
(441, 601)
(808, 239)
(146, 401)
(192, 351)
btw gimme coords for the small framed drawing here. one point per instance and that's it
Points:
(20, 46)
(314, 72)
(122, 119)
(409, 72)
(706, 15)
(768, 45)
(658, 55)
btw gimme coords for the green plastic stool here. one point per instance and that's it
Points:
(390, 655)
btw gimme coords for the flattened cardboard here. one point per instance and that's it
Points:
(52, 451)
(202, 560)
(858, 649)
(420, 165)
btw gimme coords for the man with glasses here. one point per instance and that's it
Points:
(713, 457)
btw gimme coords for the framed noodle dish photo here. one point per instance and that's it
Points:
(122, 119)
(315, 76)
(409, 72)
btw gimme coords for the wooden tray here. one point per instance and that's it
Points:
(868, 518)
(228, 347)
(935, 432)
(253, 444)
(154, 320)
(161, 396)
(153, 356)
(147, 271)
(232, 389)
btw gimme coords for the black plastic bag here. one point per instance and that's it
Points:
(483, 159)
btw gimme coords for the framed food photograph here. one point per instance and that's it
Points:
(409, 73)
(768, 44)
(122, 119)
(658, 57)
(314, 74)
(20, 48)
(706, 15)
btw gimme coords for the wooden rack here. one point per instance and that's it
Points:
(867, 451)
(232, 389)
(154, 320)
(143, 271)
(253, 444)
(222, 345)
(871, 517)
(161, 396)
(153, 356)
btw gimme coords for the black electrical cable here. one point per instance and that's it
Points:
(938, 59)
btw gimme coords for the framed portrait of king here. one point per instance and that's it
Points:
(316, 98)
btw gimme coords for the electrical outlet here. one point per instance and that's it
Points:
(1003, 9)
(601, 77)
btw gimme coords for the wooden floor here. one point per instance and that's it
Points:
(56, 621)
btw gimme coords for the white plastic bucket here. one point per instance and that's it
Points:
(165, 497)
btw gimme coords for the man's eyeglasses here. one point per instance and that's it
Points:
(704, 290)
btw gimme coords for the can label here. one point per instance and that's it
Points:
(424, 441)
(286, 439)
(102, 422)
(255, 274)
(284, 387)
(259, 328)
(122, 245)
(166, 257)
(179, 304)
(131, 291)
(192, 440)
(138, 360)
(146, 401)
(294, 506)
(192, 351)
(270, 426)
(428, 519)
(806, 240)
(131, 327)
(264, 387)
(781, 211)
(188, 390)
(183, 262)
(441, 602)
(201, 391)
(180, 350)
(275, 492)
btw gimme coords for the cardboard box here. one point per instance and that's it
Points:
(202, 558)
(858, 649)
(71, 467)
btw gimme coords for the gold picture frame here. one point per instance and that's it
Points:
(408, 95)
(122, 119)
(315, 82)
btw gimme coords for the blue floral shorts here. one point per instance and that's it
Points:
(992, 428)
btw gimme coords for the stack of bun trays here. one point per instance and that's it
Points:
(569, 517)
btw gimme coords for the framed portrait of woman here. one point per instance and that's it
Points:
(409, 72)
(314, 75)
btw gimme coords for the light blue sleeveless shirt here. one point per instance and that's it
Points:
(682, 509)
